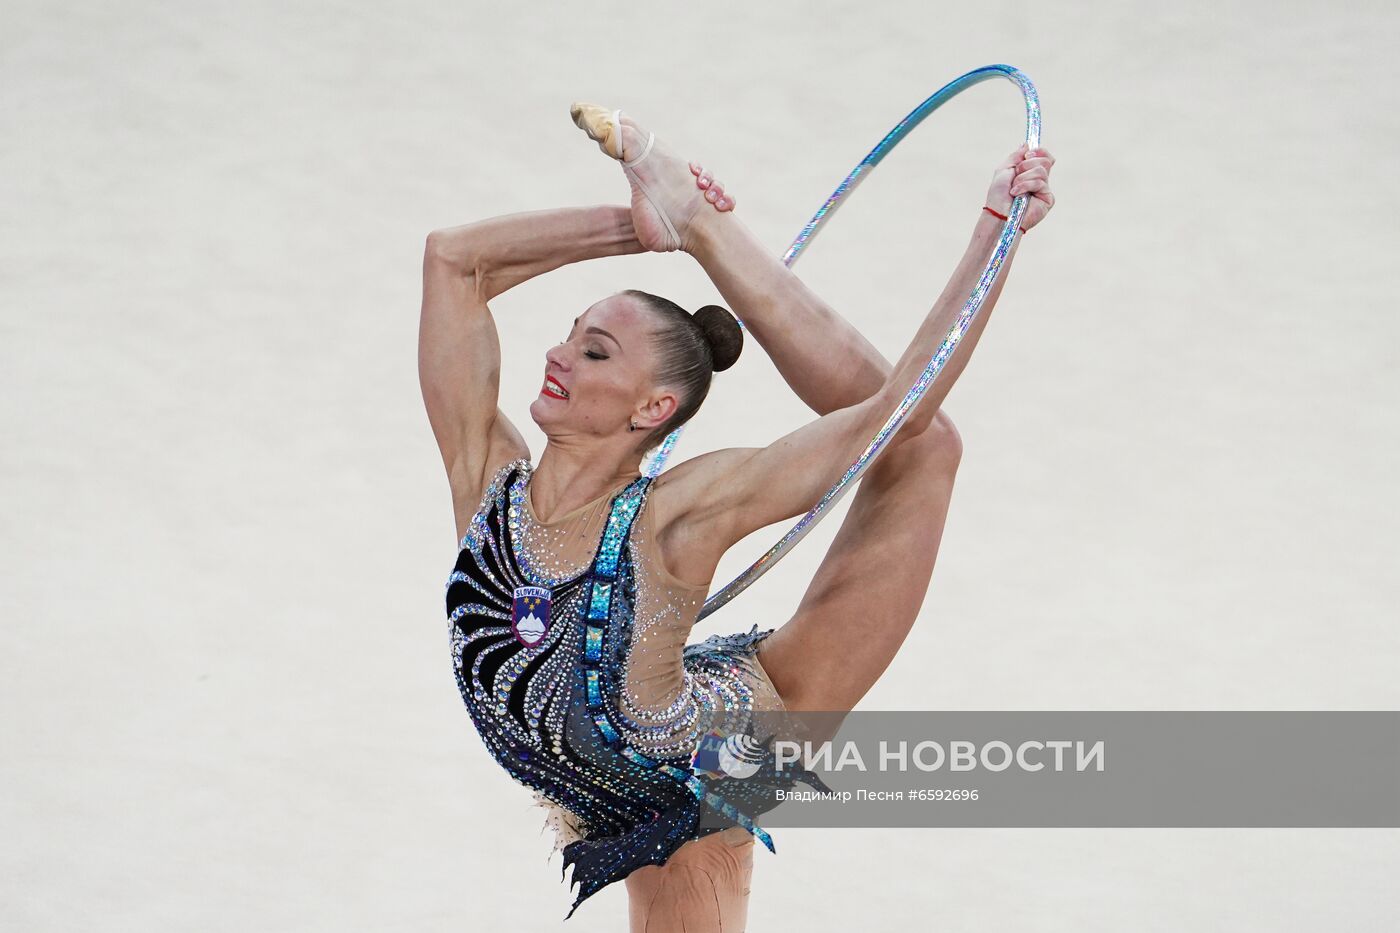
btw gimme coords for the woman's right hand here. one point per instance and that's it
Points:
(1023, 173)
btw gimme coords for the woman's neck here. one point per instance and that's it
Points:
(566, 478)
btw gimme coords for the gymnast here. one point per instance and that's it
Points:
(578, 579)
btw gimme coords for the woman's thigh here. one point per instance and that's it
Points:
(702, 888)
(869, 589)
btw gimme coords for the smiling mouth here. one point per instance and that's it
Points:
(553, 389)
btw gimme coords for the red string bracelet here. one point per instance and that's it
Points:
(1001, 216)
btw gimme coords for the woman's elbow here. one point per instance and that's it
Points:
(450, 247)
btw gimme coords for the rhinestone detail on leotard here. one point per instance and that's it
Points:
(561, 715)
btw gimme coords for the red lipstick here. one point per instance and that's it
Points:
(549, 389)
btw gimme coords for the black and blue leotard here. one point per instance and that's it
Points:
(550, 661)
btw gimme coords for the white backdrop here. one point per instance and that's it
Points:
(225, 690)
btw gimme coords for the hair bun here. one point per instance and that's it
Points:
(722, 333)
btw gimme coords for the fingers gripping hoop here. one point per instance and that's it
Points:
(969, 311)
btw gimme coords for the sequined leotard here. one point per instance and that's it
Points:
(568, 645)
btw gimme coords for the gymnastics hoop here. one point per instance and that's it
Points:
(935, 365)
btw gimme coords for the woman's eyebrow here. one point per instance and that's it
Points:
(598, 330)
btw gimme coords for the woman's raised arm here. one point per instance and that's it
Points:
(459, 354)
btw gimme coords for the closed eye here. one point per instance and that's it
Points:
(591, 354)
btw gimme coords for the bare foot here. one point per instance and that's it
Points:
(658, 182)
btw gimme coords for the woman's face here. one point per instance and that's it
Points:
(600, 377)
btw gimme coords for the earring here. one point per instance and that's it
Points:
(631, 426)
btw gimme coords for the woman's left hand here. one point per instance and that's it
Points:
(1026, 173)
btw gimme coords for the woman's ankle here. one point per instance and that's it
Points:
(706, 230)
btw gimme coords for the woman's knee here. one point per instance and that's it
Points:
(934, 441)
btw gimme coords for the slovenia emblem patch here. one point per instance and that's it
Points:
(529, 616)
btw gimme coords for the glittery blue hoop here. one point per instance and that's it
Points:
(935, 366)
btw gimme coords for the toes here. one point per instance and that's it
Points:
(714, 190)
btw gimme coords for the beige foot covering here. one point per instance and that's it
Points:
(605, 128)
(601, 125)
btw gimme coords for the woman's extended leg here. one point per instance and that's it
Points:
(865, 596)
(819, 659)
